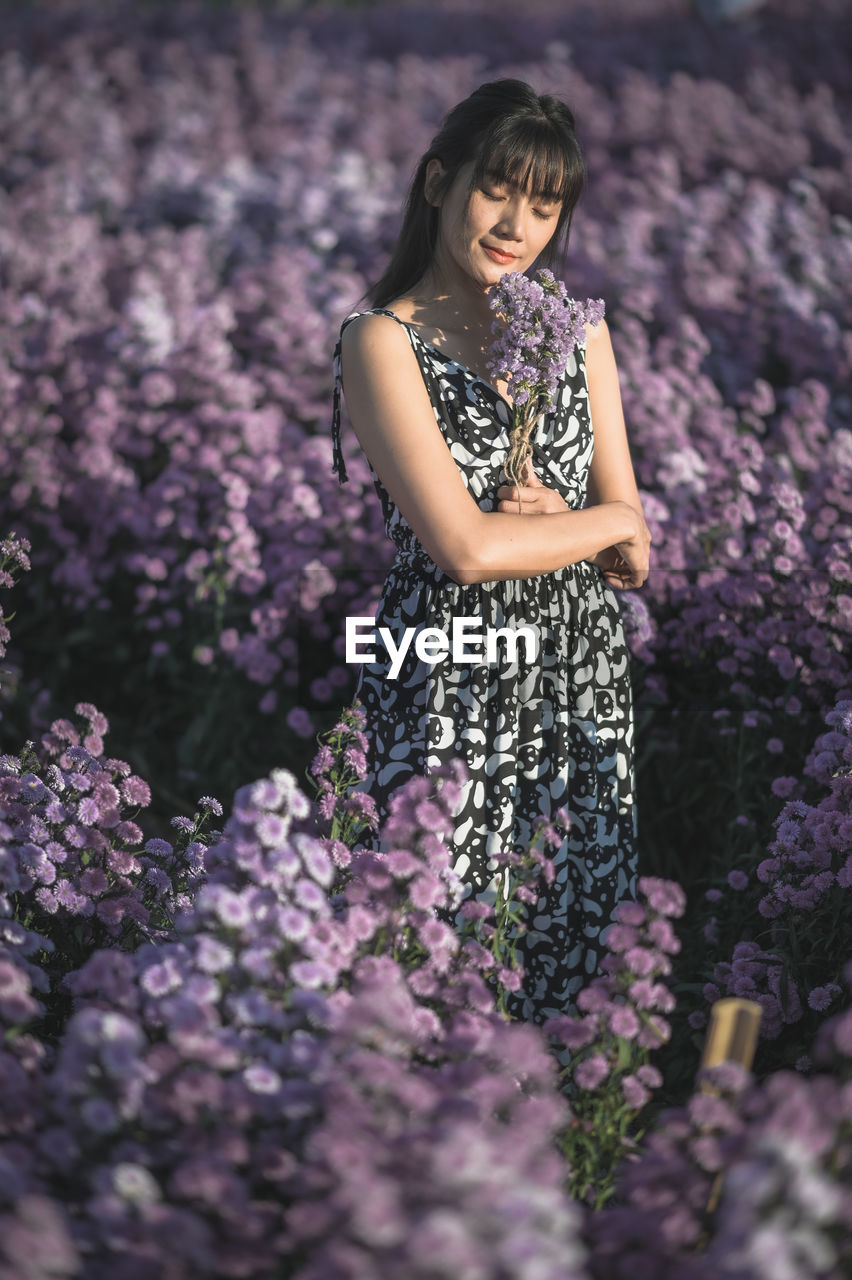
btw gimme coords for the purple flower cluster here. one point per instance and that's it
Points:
(276, 1054)
(608, 1075)
(303, 1076)
(435, 1154)
(745, 1179)
(492, 931)
(762, 976)
(35, 1243)
(799, 902)
(212, 1038)
(660, 1222)
(14, 559)
(165, 419)
(268, 1082)
(75, 874)
(537, 327)
(338, 765)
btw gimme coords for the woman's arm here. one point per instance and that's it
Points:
(611, 472)
(611, 475)
(393, 418)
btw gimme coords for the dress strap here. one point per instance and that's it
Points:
(338, 465)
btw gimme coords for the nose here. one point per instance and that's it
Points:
(511, 222)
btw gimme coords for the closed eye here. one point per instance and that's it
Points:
(499, 193)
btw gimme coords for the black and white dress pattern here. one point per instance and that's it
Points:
(537, 733)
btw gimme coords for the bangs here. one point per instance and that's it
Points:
(530, 156)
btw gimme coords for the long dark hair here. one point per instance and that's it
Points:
(512, 135)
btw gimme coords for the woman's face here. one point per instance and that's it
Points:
(500, 229)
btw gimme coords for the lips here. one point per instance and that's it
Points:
(499, 255)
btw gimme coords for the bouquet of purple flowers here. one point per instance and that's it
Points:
(537, 328)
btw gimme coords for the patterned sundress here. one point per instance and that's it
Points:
(537, 733)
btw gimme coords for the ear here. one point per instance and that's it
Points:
(434, 173)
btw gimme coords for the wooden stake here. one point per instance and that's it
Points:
(732, 1034)
(731, 1037)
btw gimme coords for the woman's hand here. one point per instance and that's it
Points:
(626, 564)
(615, 569)
(536, 498)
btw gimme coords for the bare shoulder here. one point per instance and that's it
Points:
(370, 336)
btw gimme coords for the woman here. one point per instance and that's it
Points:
(495, 193)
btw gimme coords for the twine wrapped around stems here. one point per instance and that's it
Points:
(520, 451)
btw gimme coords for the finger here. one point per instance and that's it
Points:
(531, 477)
(624, 575)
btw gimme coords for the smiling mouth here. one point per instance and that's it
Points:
(499, 255)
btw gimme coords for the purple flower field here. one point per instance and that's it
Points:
(258, 1051)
